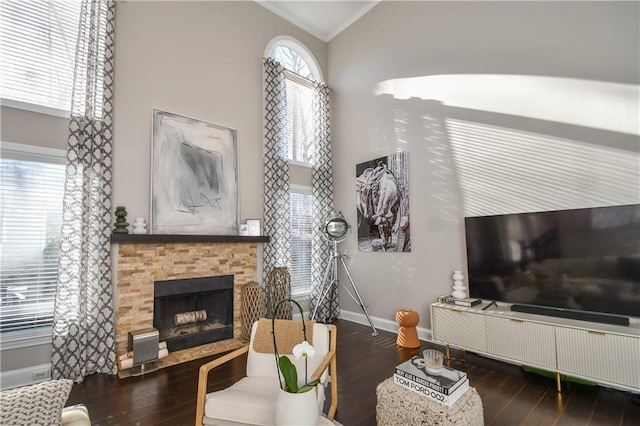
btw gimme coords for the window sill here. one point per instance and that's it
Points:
(300, 164)
(26, 338)
(40, 109)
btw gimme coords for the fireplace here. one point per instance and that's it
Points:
(193, 312)
(141, 260)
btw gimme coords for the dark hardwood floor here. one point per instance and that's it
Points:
(509, 395)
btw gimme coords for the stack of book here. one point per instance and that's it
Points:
(467, 301)
(446, 387)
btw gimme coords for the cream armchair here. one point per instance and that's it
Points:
(251, 400)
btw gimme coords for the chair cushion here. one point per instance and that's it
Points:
(250, 400)
(38, 404)
(264, 365)
(288, 334)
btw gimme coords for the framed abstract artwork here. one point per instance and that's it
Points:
(194, 177)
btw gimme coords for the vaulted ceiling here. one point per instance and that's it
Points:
(323, 19)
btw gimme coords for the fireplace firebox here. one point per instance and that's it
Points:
(193, 312)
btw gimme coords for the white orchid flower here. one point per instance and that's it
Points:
(303, 350)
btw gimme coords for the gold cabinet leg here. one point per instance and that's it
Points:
(558, 383)
(447, 353)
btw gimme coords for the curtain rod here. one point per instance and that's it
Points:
(296, 75)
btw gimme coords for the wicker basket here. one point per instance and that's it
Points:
(278, 288)
(253, 306)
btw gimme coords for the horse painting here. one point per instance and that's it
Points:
(378, 201)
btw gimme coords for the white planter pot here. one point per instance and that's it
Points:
(297, 409)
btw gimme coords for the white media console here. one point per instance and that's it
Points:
(602, 353)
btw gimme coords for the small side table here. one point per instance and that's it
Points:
(399, 406)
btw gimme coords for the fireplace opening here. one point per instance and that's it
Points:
(193, 312)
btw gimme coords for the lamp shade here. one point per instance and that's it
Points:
(336, 227)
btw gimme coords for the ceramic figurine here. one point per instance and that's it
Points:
(458, 285)
(120, 226)
(139, 226)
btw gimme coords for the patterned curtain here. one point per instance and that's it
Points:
(277, 223)
(322, 190)
(83, 321)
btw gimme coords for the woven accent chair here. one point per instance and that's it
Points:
(251, 400)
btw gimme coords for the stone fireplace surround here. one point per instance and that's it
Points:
(140, 260)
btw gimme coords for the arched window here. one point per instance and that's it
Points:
(295, 57)
(302, 71)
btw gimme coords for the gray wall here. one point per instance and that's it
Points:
(502, 106)
(198, 59)
(32, 128)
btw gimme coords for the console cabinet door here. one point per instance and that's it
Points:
(527, 342)
(459, 328)
(601, 356)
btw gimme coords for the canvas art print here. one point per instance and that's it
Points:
(382, 191)
(194, 182)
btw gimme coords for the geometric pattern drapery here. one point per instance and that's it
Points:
(322, 190)
(83, 322)
(277, 223)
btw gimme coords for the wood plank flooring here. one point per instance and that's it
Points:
(509, 395)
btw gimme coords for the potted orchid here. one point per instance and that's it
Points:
(302, 350)
(295, 404)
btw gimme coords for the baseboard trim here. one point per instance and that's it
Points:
(424, 334)
(25, 376)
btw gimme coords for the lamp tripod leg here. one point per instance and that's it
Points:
(359, 299)
(328, 282)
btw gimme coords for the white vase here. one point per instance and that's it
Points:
(297, 409)
(139, 226)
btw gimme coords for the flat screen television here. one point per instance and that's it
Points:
(581, 263)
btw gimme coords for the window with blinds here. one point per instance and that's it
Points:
(30, 219)
(301, 202)
(299, 87)
(299, 120)
(38, 42)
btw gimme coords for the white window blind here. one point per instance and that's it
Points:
(30, 220)
(301, 228)
(38, 42)
(299, 87)
(299, 121)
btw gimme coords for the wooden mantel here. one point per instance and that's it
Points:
(166, 238)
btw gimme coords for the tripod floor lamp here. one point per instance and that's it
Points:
(336, 229)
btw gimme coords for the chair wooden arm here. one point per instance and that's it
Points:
(323, 365)
(330, 360)
(203, 377)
